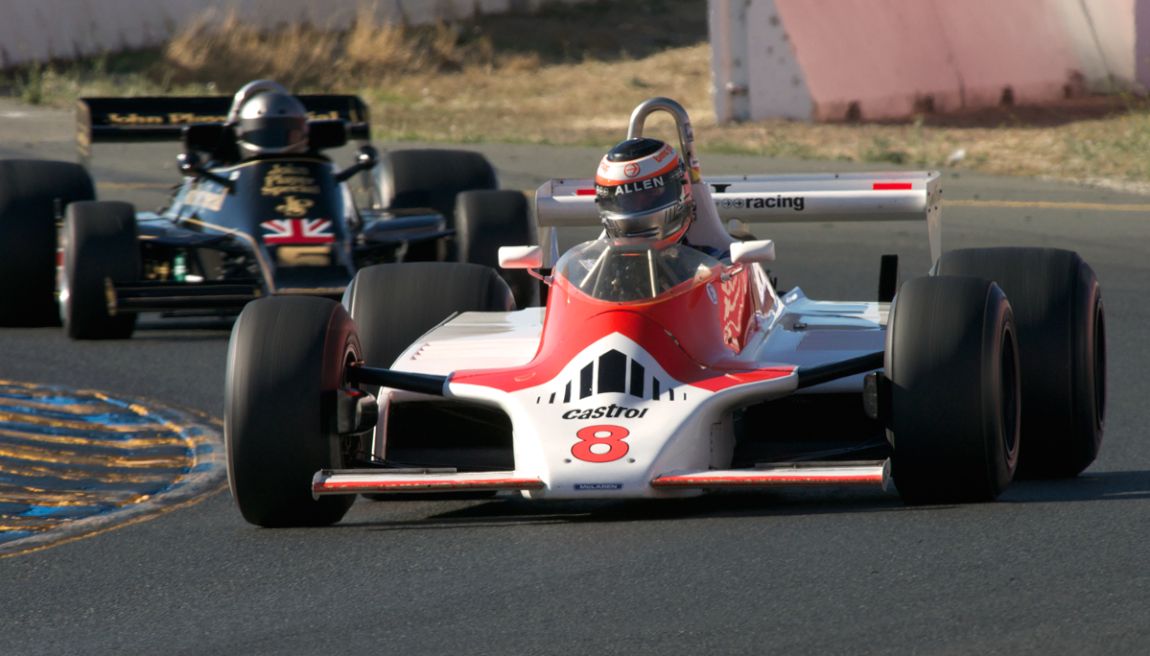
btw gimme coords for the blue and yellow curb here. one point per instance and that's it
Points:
(76, 463)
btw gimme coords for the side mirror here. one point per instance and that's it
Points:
(365, 160)
(520, 257)
(760, 250)
(367, 157)
(191, 164)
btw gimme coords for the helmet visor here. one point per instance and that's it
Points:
(640, 196)
(274, 132)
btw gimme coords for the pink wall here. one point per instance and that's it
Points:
(892, 57)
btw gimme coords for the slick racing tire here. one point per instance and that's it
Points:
(432, 178)
(286, 360)
(952, 359)
(1058, 311)
(393, 304)
(100, 248)
(32, 192)
(486, 220)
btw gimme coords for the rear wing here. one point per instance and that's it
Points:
(822, 197)
(152, 118)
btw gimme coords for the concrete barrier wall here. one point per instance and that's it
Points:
(876, 59)
(42, 30)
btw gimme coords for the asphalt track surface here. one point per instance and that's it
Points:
(1051, 568)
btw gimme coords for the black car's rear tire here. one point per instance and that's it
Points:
(286, 359)
(393, 304)
(1057, 304)
(432, 178)
(486, 220)
(31, 194)
(100, 247)
(952, 358)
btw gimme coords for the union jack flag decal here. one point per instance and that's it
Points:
(297, 231)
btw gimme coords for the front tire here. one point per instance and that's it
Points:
(286, 361)
(100, 248)
(393, 304)
(1057, 304)
(952, 359)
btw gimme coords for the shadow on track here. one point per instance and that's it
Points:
(1102, 486)
(513, 511)
(477, 511)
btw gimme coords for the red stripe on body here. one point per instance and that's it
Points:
(683, 330)
(767, 480)
(430, 484)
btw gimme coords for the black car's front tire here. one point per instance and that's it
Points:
(287, 360)
(100, 248)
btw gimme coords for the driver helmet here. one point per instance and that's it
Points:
(272, 123)
(642, 190)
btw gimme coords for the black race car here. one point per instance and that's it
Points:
(261, 211)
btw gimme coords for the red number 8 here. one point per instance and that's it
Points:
(592, 435)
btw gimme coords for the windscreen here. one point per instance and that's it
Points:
(629, 271)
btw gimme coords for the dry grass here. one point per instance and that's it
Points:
(228, 52)
(560, 78)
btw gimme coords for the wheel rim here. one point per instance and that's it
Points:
(64, 296)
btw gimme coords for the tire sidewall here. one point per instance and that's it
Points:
(1089, 365)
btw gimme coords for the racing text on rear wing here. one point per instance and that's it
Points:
(107, 120)
(823, 197)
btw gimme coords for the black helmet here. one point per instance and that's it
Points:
(271, 122)
(642, 190)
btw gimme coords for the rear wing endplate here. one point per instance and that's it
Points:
(893, 196)
(152, 118)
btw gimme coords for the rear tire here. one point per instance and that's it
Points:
(393, 304)
(432, 178)
(952, 358)
(31, 193)
(100, 247)
(286, 359)
(486, 220)
(1057, 304)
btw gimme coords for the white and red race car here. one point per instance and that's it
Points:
(660, 371)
